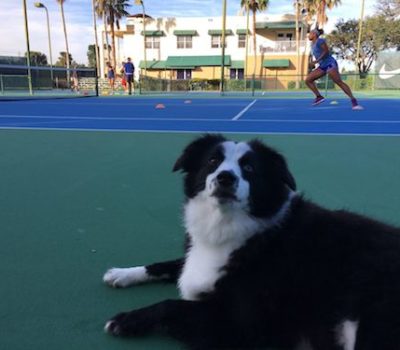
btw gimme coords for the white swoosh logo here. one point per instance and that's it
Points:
(387, 74)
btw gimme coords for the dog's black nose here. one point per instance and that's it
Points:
(226, 179)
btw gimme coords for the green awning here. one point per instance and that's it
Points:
(153, 33)
(185, 32)
(281, 63)
(237, 64)
(242, 31)
(181, 62)
(276, 25)
(219, 32)
(153, 64)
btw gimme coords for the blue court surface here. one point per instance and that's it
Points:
(240, 115)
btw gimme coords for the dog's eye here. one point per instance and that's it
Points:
(248, 168)
(212, 160)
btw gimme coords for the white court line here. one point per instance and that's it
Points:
(243, 111)
(166, 131)
(69, 118)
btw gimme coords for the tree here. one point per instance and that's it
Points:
(61, 2)
(379, 34)
(388, 8)
(112, 11)
(254, 6)
(62, 60)
(91, 55)
(318, 8)
(37, 58)
(100, 8)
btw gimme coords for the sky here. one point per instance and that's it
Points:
(79, 20)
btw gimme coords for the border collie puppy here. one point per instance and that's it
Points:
(265, 267)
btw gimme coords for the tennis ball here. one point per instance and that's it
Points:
(334, 103)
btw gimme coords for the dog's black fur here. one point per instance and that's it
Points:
(297, 280)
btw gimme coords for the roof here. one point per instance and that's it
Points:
(153, 64)
(153, 33)
(219, 32)
(276, 25)
(192, 32)
(242, 31)
(191, 62)
(277, 63)
(237, 64)
(196, 61)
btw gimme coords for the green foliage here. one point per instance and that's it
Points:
(37, 58)
(62, 60)
(255, 5)
(379, 33)
(91, 55)
(235, 85)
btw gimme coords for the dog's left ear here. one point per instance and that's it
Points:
(283, 170)
(289, 179)
(279, 161)
(195, 150)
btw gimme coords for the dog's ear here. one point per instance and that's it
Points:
(195, 150)
(279, 162)
(283, 170)
(288, 178)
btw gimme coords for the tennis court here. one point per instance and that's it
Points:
(86, 184)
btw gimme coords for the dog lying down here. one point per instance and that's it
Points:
(265, 267)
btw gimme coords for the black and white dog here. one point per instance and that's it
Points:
(266, 268)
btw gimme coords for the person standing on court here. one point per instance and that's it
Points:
(129, 69)
(326, 65)
(111, 77)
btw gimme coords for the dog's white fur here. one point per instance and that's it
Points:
(125, 277)
(346, 334)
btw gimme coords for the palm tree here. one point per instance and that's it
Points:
(61, 2)
(112, 11)
(254, 6)
(318, 8)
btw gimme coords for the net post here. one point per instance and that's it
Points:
(1, 84)
(96, 82)
(326, 85)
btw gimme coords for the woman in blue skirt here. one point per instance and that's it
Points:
(111, 76)
(326, 65)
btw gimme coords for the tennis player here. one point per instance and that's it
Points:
(326, 65)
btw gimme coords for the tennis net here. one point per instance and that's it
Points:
(18, 81)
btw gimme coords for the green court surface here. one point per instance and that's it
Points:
(74, 203)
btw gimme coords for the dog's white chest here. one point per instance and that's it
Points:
(203, 267)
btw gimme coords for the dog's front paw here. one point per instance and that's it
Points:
(134, 323)
(125, 277)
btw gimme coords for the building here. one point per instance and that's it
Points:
(182, 48)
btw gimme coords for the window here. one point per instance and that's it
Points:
(285, 42)
(237, 73)
(285, 36)
(216, 41)
(242, 41)
(184, 42)
(183, 74)
(152, 42)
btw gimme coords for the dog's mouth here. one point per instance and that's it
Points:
(224, 195)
